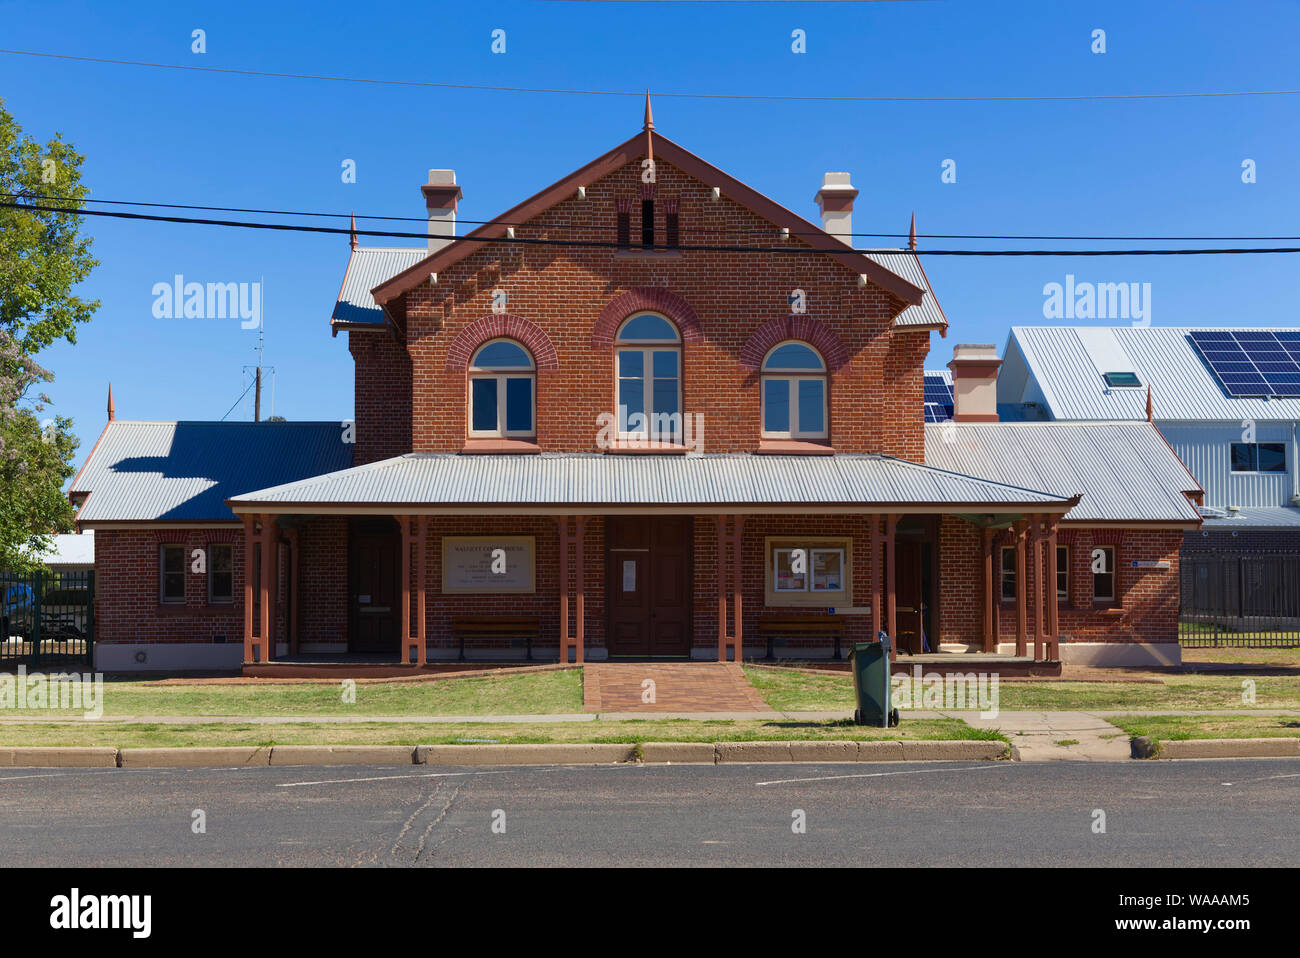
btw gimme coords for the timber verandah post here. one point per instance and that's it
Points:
(1040, 598)
(250, 523)
(990, 596)
(891, 590)
(876, 589)
(268, 568)
(575, 635)
(421, 590)
(1018, 533)
(729, 572)
(1054, 602)
(404, 525)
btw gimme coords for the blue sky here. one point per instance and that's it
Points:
(1166, 167)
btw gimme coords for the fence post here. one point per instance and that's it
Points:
(38, 598)
(90, 619)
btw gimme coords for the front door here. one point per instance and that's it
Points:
(648, 585)
(374, 594)
(909, 595)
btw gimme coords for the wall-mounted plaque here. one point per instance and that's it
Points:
(484, 564)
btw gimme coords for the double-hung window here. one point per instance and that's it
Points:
(502, 381)
(794, 393)
(649, 370)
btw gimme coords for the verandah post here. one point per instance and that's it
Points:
(580, 601)
(1020, 533)
(738, 527)
(404, 524)
(421, 590)
(249, 566)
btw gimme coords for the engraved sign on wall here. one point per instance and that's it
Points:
(467, 564)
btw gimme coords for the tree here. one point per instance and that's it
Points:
(42, 257)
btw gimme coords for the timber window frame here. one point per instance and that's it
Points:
(171, 573)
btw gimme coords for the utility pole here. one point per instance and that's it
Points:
(257, 388)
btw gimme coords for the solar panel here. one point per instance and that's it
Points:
(938, 399)
(1252, 362)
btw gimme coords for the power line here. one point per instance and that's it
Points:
(641, 93)
(602, 244)
(682, 229)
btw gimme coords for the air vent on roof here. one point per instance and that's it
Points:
(1121, 379)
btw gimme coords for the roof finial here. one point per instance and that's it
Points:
(112, 410)
(649, 119)
(353, 239)
(911, 237)
(1151, 409)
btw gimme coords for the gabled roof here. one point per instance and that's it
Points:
(1125, 471)
(184, 471)
(367, 268)
(910, 290)
(449, 482)
(1056, 366)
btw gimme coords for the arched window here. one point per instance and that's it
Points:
(794, 393)
(501, 394)
(649, 369)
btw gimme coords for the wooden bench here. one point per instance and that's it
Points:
(784, 625)
(525, 627)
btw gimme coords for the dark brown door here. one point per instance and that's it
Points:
(374, 600)
(648, 585)
(909, 596)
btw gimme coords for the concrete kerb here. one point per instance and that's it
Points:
(1145, 747)
(593, 753)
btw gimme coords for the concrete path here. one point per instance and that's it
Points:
(1056, 736)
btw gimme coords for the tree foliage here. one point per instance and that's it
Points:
(42, 258)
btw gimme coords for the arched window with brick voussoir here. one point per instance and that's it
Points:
(502, 391)
(794, 392)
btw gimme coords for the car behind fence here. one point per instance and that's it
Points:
(47, 618)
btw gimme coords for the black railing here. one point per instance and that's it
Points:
(1241, 599)
(47, 619)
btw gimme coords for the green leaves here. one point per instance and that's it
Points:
(42, 258)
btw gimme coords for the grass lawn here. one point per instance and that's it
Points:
(1174, 728)
(530, 693)
(374, 733)
(790, 690)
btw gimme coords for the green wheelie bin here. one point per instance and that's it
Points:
(870, 664)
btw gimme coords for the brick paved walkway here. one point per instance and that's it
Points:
(678, 687)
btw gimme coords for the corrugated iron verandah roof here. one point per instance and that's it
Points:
(598, 482)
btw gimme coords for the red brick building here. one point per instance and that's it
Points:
(646, 412)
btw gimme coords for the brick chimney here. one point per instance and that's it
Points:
(441, 195)
(975, 383)
(835, 201)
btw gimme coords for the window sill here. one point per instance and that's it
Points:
(1108, 608)
(794, 447)
(490, 446)
(646, 448)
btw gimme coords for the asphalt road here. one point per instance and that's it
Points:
(1207, 813)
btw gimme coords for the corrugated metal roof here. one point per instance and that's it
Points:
(598, 479)
(1262, 517)
(184, 471)
(1124, 471)
(907, 264)
(367, 268)
(1182, 386)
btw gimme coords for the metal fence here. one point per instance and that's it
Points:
(47, 619)
(1245, 599)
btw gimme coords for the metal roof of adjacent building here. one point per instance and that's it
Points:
(367, 268)
(185, 471)
(1256, 517)
(1126, 472)
(1056, 366)
(602, 480)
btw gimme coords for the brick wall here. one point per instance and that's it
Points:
(1147, 599)
(127, 607)
(875, 398)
